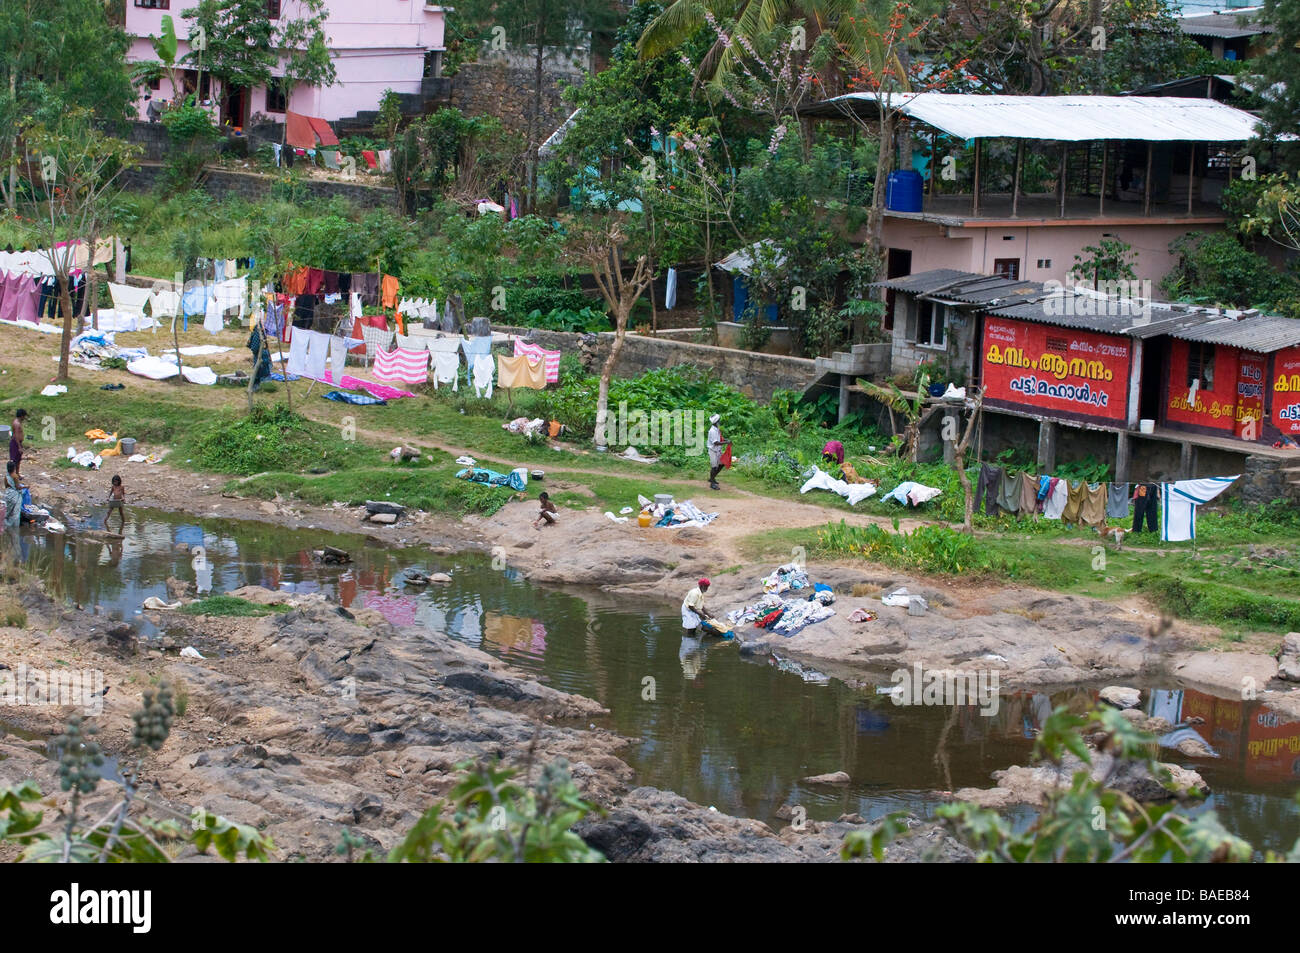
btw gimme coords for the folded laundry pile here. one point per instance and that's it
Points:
(674, 515)
(807, 603)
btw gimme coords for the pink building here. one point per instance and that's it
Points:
(376, 44)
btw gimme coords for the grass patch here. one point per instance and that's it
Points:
(433, 489)
(1217, 603)
(12, 613)
(231, 606)
(929, 549)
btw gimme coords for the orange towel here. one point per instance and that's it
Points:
(388, 291)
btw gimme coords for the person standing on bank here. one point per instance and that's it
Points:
(716, 445)
(16, 437)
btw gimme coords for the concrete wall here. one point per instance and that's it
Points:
(976, 249)
(221, 183)
(757, 375)
(906, 355)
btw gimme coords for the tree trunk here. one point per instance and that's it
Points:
(607, 372)
(534, 140)
(65, 342)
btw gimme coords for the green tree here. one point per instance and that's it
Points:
(534, 28)
(1274, 74)
(56, 55)
(1109, 260)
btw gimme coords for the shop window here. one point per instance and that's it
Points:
(273, 9)
(931, 324)
(1200, 365)
(154, 4)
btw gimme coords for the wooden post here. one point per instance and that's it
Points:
(1015, 182)
(1191, 173)
(975, 198)
(1122, 455)
(1065, 172)
(1105, 183)
(1146, 182)
(934, 157)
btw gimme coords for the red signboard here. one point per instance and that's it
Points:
(1286, 390)
(1056, 369)
(1250, 395)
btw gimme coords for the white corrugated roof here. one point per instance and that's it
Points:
(1066, 118)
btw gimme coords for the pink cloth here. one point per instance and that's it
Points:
(20, 298)
(347, 382)
(402, 364)
(538, 353)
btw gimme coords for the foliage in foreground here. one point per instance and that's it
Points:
(122, 835)
(490, 817)
(1087, 822)
(930, 549)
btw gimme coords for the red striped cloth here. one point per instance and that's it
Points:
(401, 364)
(538, 353)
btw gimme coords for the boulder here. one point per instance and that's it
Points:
(384, 518)
(835, 777)
(1121, 697)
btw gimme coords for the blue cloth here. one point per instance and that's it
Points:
(1044, 485)
(277, 376)
(472, 348)
(899, 493)
(360, 399)
(194, 302)
(492, 478)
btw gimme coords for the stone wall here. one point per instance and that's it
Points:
(1264, 479)
(222, 183)
(757, 375)
(505, 91)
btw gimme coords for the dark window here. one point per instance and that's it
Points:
(276, 101)
(154, 4)
(155, 83)
(1006, 267)
(273, 9)
(930, 324)
(1200, 365)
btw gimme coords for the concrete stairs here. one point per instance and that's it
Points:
(1292, 475)
(435, 92)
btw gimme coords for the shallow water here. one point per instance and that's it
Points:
(735, 733)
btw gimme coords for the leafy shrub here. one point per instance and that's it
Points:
(930, 549)
(270, 438)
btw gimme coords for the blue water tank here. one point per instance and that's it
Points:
(903, 191)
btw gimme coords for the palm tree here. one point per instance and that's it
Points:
(852, 24)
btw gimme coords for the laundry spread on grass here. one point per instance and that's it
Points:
(516, 479)
(855, 493)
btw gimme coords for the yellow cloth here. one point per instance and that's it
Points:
(694, 600)
(114, 451)
(99, 435)
(519, 371)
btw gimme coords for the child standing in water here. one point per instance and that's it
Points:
(116, 501)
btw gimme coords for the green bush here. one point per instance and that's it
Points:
(928, 549)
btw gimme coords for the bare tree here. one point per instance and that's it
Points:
(81, 170)
(600, 247)
(959, 448)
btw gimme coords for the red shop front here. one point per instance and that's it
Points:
(1061, 371)
(1215, 389)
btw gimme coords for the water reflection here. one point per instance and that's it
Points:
(722, 730)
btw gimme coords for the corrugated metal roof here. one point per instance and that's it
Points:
(1226, 25)
(928, 282)
(1059, 118)
(1089, 311)
(1264, 332)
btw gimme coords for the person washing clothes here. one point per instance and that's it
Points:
(116, 501)
(547, 511)
(833, 452)
(693, 611)
(716, 444)
(13, 496)
(16, 438)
